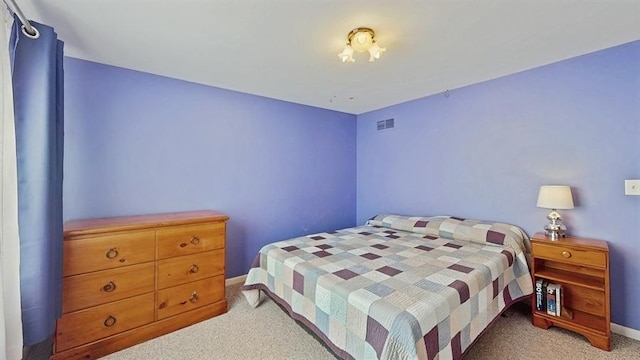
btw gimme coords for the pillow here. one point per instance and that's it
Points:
(449, 227)
(417, 224)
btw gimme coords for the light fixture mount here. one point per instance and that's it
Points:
(361, 39)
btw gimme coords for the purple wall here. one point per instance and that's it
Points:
(136, 143)
(484, 151)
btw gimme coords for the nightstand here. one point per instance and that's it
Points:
(581, 266)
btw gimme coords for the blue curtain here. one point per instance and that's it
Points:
(39, 104)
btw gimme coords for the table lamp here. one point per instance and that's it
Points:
(555, 197)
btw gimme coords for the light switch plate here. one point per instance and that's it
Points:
(632, 187)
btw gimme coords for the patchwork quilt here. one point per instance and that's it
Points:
(398, 287)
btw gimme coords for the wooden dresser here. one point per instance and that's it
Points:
(130, 279)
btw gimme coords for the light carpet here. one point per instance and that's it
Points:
(267, 332)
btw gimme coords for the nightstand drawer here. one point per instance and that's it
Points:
(568, 254)
(86, 290)
(190, 239)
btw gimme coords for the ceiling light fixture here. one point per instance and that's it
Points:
(360, 40)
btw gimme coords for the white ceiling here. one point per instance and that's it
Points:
(287, 49)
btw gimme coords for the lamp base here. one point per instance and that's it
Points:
(554, 231)
(554, 235)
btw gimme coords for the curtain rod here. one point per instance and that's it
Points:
(27, 25)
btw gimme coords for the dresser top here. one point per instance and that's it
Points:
(123, 223)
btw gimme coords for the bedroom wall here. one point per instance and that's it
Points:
(137, 143)
(484, 151)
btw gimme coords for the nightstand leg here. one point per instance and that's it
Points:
(540, 322)
(601, 342)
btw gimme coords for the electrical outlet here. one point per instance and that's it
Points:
(632, 187)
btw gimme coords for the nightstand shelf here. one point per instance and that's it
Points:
(581, 267)
(585, 321)
(568, 277)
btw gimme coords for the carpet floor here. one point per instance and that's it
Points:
(267, 332)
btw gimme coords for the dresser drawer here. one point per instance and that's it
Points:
(184, 269)
(178, 299)
(567, 254)
(86, 290)
(84, 326)
(107, 252)
(190, 239)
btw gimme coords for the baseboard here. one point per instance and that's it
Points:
(625, 331)
(235, 280)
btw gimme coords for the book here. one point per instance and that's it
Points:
(541, 295)
(551, 299)
(558, 299)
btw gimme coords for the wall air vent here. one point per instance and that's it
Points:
(385, 124)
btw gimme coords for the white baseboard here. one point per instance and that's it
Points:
(235, 280)
(618, 329)
(625, 331)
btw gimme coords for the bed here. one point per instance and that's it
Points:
(398, 287)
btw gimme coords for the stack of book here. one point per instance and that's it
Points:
(548, 297)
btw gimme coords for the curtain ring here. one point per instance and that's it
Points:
(31, 36)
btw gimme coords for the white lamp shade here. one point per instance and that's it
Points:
(555, 197)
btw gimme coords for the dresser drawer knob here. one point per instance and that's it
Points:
(194, 298)
(110, 321)
(194, 269)
(111, 253)
(566, 254)
(109, 287)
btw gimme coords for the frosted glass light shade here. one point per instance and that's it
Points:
(347, 54)
(555, 197)
(375, 51)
